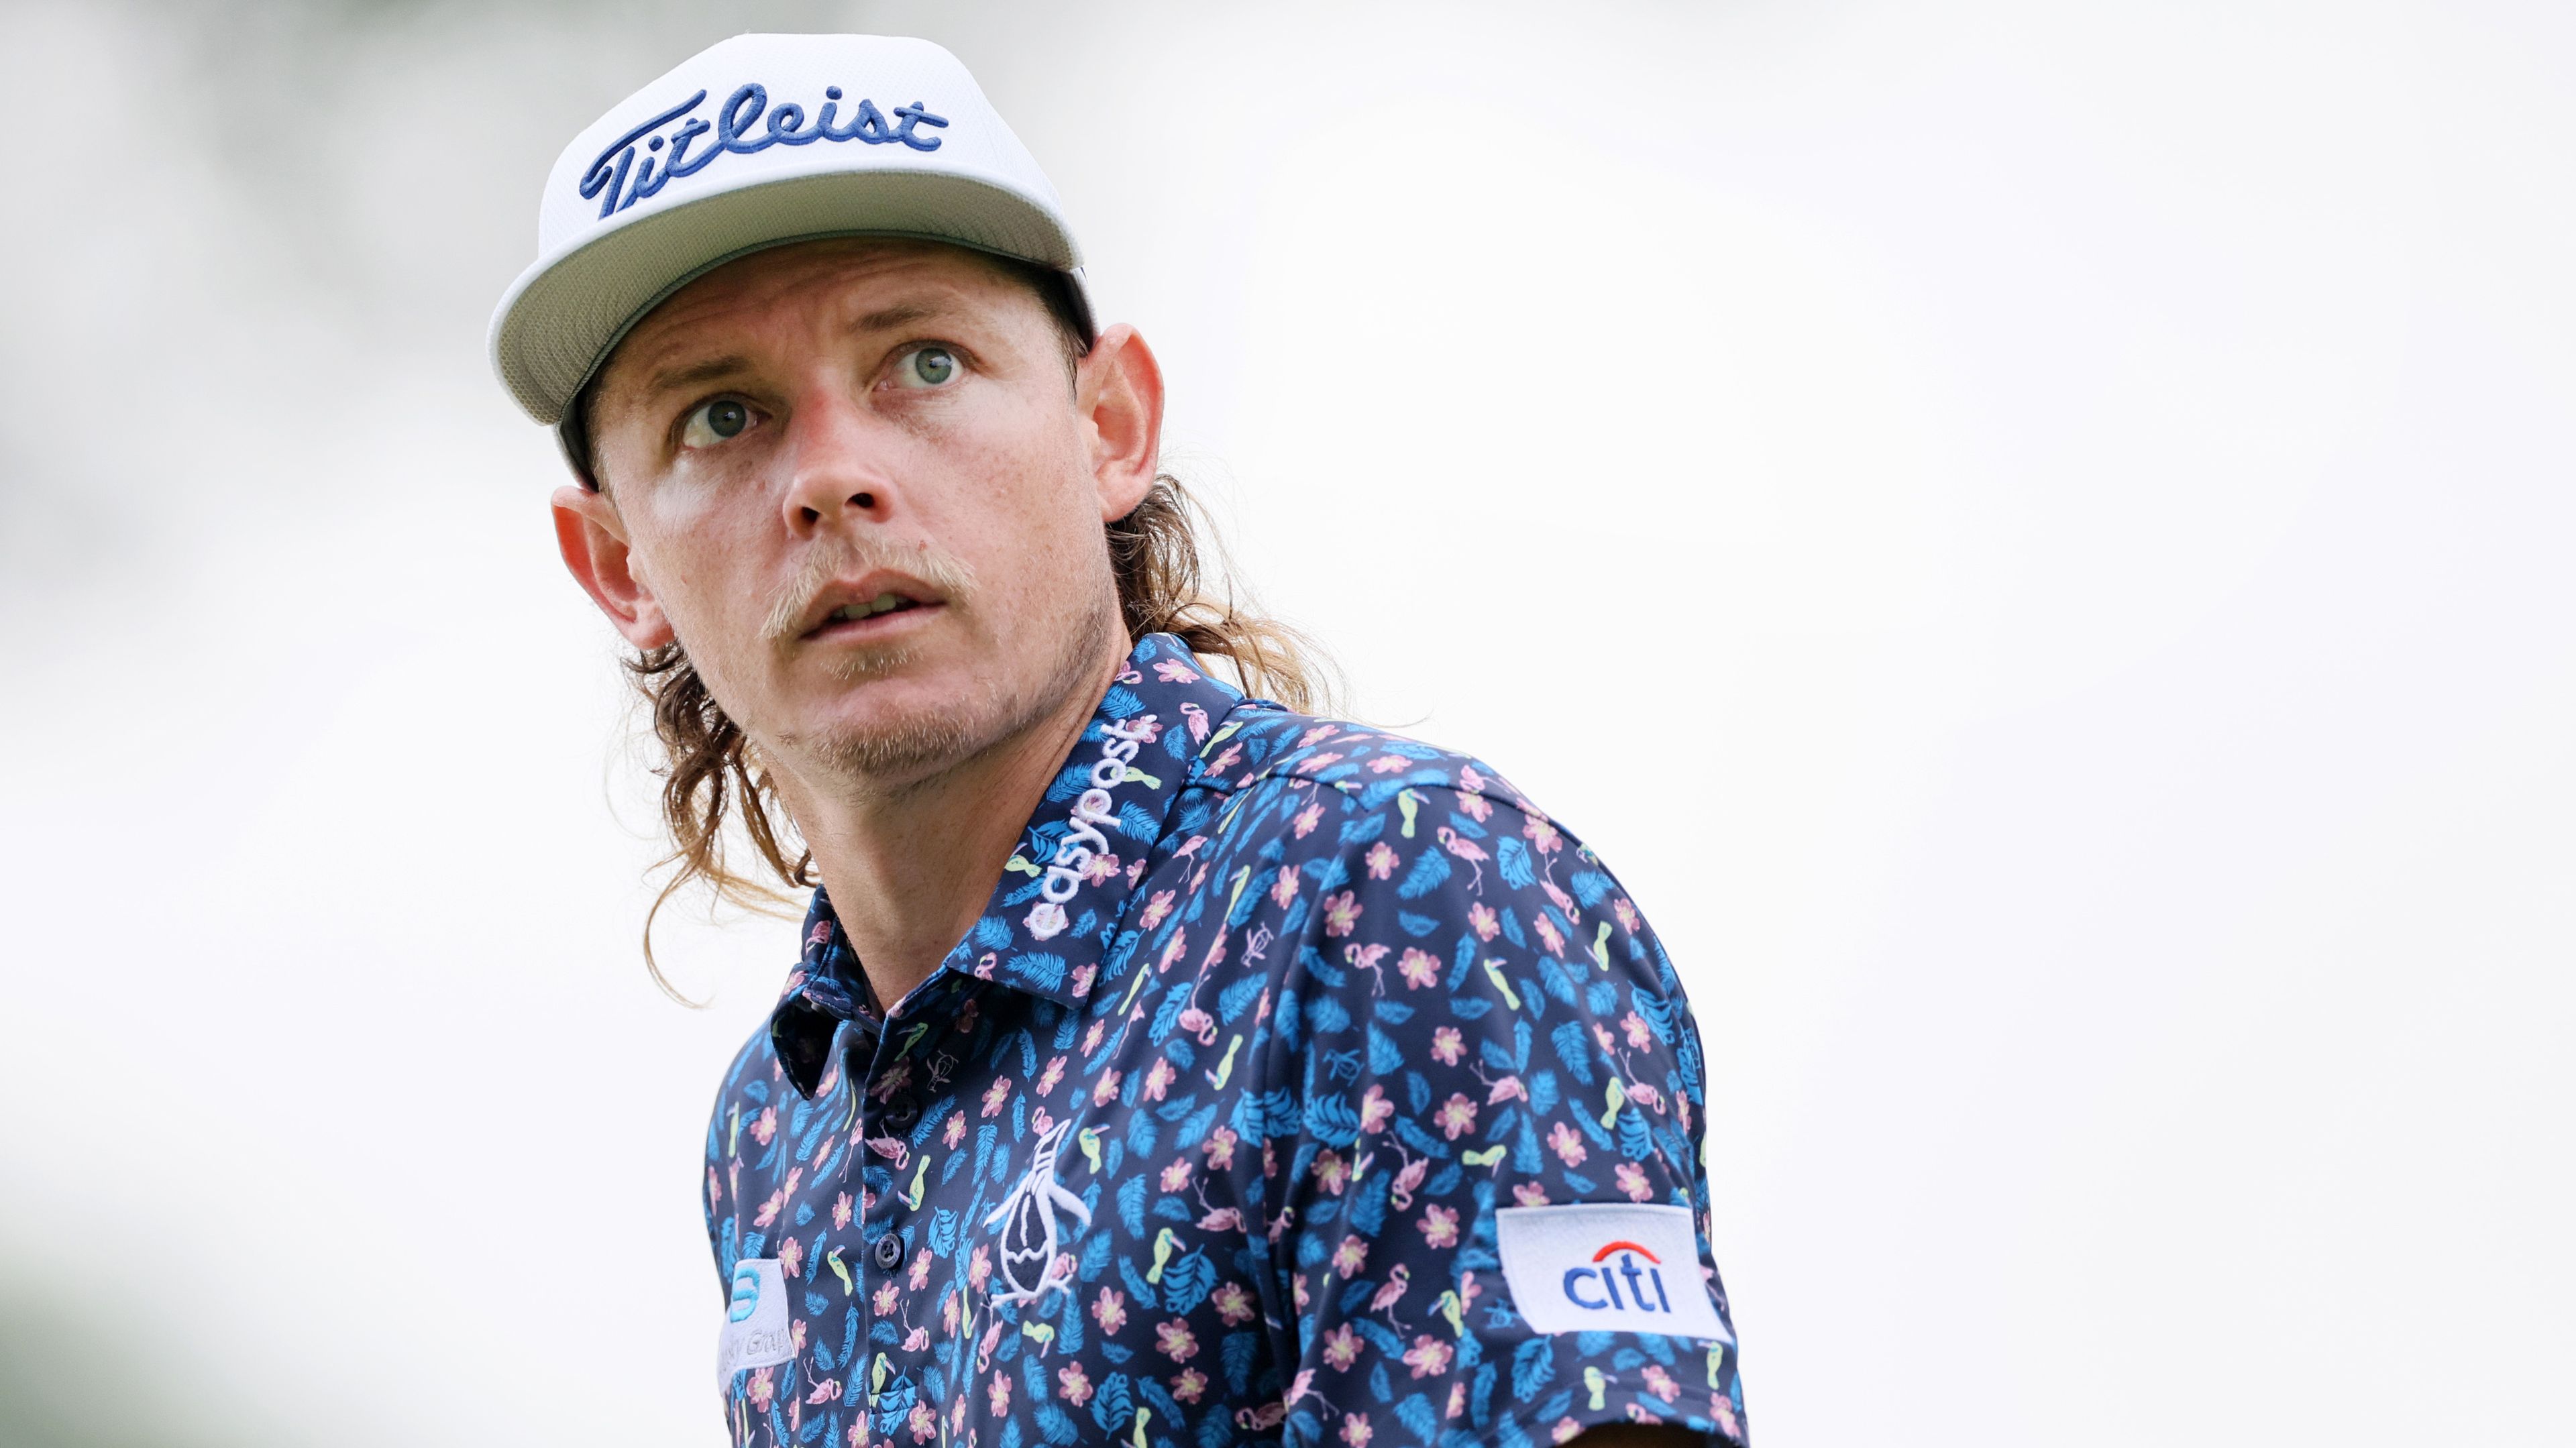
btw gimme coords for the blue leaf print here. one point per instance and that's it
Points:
(1236, 1353)
(1574, 1049)
(1512, 862)
(1131, 1205)
(1187, 1282)
(1533, 1368)
(1430, 868)
(1110, 1405)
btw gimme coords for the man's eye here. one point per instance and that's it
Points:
(714, 422)
(925, 367)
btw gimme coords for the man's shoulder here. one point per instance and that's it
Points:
(1264, 746)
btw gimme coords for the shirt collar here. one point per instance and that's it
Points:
(1054, 917)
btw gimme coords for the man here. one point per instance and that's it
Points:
(1164, 1067)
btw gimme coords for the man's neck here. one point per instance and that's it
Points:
(909, 869)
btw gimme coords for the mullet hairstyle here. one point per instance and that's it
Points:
(1161, 555)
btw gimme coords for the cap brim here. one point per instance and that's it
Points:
(564, 314)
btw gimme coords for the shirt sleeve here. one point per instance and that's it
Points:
(1477, 1019)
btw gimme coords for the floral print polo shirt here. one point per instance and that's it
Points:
(1300, 1084)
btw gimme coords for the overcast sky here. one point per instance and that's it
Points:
(2036, 537)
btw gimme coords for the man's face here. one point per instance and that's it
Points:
(855, 481)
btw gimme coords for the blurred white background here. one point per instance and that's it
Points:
(2035, 536)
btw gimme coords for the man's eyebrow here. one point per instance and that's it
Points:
(674, 379)
(901, 314)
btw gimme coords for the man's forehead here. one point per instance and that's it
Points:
(842, 284)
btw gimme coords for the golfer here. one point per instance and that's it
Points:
(1163, 1067)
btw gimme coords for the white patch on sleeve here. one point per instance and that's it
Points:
(1607, 1267)
(755, 1332)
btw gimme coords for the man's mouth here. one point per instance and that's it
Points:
(882, 603)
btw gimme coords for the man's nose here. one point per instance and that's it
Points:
(836, 459)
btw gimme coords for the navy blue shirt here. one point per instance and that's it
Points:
(1299, 1083)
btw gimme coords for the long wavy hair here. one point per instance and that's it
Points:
(1173, 576)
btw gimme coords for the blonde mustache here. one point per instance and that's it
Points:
(828, 562)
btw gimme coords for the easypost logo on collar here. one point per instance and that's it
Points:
(1093, 812)
(1607, 1267)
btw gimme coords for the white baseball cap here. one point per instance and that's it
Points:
(755, 142)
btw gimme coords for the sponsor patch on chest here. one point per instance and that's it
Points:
(1607, 1267)
(755, 1333)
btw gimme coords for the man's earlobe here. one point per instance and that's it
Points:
(1121, 399)
(595, 549)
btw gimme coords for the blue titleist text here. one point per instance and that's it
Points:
(622, 176)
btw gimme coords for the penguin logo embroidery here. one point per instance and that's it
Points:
(1031, 1265)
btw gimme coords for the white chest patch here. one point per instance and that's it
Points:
(1607, 1267)
(755, 1332)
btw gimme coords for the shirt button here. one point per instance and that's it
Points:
(901, 1113)
(889, 1252)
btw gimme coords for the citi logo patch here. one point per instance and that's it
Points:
(1607, 1267)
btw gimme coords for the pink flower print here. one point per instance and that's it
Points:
(791, 1255)
(1100, 868)
(1219, 1147)
(1550, 936)
(1227, 760)
(924, 1423)
(1341, 913)
(1233, 1303)
(1626, 913)
(1470, 780)
(1639, 1036)
(948, 1313)
(1483, 921)
(1160, 1078)
(1661, 1384)
(1172, 951)
(999, 1390)
(1106, 1090)
(1632, 1181)
(841, 1211)
(1319, 732)
(1331, 1173)
(954, 1132)
(1082, 975)
(1111, 1310)
(765, 1125)
(1073, 1384)
(1285, 890)
(1542, 835)
(920, 1274)
(1529, 1194)
(1382, 861)
(1091, 1038)
(979, 1269)
(1355, 1429)
(1341, 1346)
(1419, 968)
(1376, 1110)
(1439, 1226)
(1387, 763)
(884, 1300)
(1566, 1143)
(715, 1190)
(1190, 1385)
(1456, 1116)
(1447, 1045)
(1300, 1285)
(1428, 1357)
(1307, 818)
(1156, 908)
(768, 1212)
(996, 1096)
(762, 1388)
(1173, 671)
(1457, 1398)
(1350, 1257)
(1175, 1339)
(1475, 807)
(1601, 1033)
(1176, 1175)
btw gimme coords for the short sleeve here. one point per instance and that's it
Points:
(1478, 1020)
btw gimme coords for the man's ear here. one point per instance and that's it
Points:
(1119, 393)
(593, 540)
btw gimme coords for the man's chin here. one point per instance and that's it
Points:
(894, 725)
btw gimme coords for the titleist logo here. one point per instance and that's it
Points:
(643, 161)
